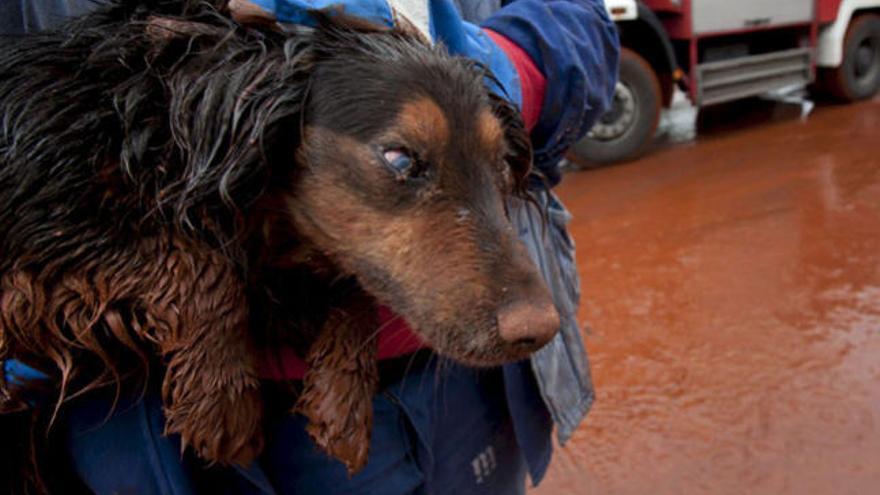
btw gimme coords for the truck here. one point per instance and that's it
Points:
(718, 51)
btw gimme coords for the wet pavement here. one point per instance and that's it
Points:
(732, 293)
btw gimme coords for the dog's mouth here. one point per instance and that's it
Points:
(489, 356)
(495, 353)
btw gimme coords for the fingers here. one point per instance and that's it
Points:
(248, 12)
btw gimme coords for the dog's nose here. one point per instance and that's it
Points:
(528, 323)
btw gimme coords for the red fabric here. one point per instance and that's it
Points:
(532, 83)
(396, 338)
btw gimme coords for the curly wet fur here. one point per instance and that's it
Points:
(128, 163)
(142, 153)
(333, 398)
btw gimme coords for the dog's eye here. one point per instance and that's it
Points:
(399, 159)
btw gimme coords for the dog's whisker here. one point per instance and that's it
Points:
(375, 333)
(412, 358)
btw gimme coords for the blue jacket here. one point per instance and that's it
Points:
(575, 45)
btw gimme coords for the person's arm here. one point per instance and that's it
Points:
(575, 46)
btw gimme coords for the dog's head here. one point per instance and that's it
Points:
(407, 165)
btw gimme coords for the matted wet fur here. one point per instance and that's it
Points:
(177, 189)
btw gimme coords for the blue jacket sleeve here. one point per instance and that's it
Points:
(26, 16)
(11, 18)
(575, 45)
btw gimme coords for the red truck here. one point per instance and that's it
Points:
(722, 50)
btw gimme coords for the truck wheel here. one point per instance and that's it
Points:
(858, 77)
(624, 132)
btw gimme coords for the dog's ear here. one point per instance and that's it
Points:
(519, 145)
(235, 104)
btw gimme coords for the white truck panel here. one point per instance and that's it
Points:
(710, 16)
(829, 53)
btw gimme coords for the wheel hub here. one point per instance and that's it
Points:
(867, 58)
(620, 118)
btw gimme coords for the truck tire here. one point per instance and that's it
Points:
(624, 132)
(858, 77)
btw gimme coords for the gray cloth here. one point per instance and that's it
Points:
(561, 368)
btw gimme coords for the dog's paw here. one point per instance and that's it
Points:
(222, 426)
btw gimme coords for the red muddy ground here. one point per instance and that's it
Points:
(732, 292)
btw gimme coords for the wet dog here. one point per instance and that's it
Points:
(177, 189)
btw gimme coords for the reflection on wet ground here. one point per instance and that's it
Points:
(732, 292)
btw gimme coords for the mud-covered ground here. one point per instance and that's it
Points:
(731, 294)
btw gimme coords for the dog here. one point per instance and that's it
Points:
(178, 189)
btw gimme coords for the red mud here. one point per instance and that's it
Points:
(732, 293)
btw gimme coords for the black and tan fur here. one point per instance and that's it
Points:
(177, 189)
